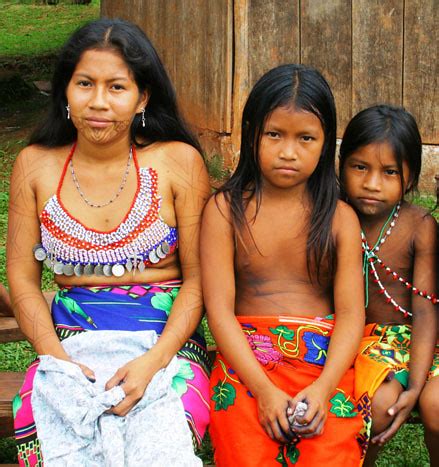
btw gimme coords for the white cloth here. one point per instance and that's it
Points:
(69, 410)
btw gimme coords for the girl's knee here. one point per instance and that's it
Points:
(429, 407)
(385, 396)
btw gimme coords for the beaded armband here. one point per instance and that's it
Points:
(142, 238)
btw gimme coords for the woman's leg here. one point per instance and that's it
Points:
(28, 445)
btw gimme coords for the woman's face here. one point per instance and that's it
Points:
(103, 97)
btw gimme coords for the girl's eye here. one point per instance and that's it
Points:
(307, 138)
(84, 84)
(272, 134)
(359, 167)
(391, 172)
(117, 87)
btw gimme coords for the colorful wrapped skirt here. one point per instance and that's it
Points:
(292, 352)
(124, 308)
(385, 354)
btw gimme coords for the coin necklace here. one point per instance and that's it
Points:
(371, 257)
(116, 195)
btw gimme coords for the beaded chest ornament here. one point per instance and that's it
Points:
(142, 238)
(370, 257)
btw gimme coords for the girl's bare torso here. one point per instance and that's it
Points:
(271, 270)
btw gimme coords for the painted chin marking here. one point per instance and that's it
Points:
(97, 134)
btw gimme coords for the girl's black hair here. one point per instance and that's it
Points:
(304, 89)
(163, 119)
(390, 124)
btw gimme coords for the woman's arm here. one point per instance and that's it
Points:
(24, 272)
(217, 266)
(191, 189)
(424, 324)
(349, 319)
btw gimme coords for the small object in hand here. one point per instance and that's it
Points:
(299, 412)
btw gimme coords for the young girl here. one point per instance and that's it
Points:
(279, 257)
(380, 161)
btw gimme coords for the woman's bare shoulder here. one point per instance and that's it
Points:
(173, 152)
(35, 161)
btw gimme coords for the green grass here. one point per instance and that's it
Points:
(34, 29)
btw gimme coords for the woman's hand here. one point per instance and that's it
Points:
(272, 413)
(312, 423)
(401, 411)
(134, 378)
(89, 374)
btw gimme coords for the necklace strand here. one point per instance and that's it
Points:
(370, 252)
(370, 258)
(116, 195)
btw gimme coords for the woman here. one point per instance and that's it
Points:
(108, 195)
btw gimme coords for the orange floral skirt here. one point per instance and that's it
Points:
(292, 351)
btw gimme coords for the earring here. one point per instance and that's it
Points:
(68, 111)
(143, 118)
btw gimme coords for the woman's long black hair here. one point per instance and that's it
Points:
(304, 89)
(163, 119)
(390, 124)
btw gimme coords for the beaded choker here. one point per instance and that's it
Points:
(370, 257)
(142, 238)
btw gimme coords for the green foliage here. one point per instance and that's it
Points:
(406, 449)
(428, 202)
(29, 29)
(16, 356)
(215, 167)
(8, 451)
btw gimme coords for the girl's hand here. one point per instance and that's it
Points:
(312, 423)
(134, 378)
(272, 413)
(401, 411)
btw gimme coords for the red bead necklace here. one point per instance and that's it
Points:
(371, 257)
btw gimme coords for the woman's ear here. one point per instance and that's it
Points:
(143, 101)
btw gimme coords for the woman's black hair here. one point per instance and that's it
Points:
(303, 89)
(385, 124)
(163, 119)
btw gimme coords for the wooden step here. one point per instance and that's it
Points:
(9, 330)
(10, 383)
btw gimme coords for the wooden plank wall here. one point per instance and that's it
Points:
(421, 65)
(326, 44)
(194, 39)
(370, 51)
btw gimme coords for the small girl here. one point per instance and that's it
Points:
(380, 161)
(279, 256)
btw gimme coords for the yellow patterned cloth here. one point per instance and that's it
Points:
(385, 353)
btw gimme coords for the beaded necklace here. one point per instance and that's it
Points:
(140, 240)
(114, 197)
(370, 258)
